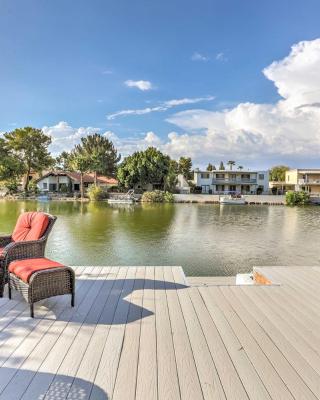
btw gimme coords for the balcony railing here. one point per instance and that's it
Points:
(309, 181)
(219, 181)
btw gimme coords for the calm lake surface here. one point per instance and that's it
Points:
(204, 239)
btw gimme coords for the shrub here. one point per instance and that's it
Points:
(12, 185)
(157, 196)
(95, 193)
(297, 198)
(33, 187)
(168, 197)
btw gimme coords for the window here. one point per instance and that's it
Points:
(219, 176)
(205, 175)
(45, 185)
(76, 187)
(232, 177)
(261, 177)
(205, 188)
(245, 176)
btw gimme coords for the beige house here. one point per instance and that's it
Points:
(300, 179)
(307, 180)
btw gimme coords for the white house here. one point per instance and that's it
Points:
(60, 181)
(232, 181)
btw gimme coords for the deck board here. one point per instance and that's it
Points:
(143, 333)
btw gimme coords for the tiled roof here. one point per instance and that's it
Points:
(87, 178)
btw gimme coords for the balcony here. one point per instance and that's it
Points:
(222, 181)
(309, 181)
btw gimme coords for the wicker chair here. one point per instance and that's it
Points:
(21, 250)
(44, 284)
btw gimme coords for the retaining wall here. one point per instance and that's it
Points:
(214, 198)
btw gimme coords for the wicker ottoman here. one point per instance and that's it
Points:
(40, 278)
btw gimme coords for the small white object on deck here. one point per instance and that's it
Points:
(244, 279)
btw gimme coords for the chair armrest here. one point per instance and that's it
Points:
(22, 250)
(5, 240)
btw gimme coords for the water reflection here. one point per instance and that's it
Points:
(204, 239)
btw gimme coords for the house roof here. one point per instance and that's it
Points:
(87, 178)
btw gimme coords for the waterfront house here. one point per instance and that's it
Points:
(232, 181)
(300, 179)
(69, 182)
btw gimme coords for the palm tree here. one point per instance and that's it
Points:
(102, 155)
(240, 168)
(231, 164)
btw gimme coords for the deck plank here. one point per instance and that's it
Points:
(168, 384)
(147, 364)
(190, 387)
(108, 367)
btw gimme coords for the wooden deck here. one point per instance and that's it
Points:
(142, 333)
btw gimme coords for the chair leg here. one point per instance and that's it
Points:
(9, 291)
(31, 311)
(72, 300)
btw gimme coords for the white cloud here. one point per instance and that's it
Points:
(64, 136)
(162, 107)
(285, 131)
(221, 57)
(141, 85)
(199, 57)
(107, 72)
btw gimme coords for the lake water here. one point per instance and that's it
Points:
(205, 239)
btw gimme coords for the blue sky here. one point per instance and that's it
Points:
(72, 61)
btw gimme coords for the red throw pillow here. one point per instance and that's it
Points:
(30, 226)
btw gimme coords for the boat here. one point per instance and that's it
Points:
(127, 198)
(43, 197)
(237, 199)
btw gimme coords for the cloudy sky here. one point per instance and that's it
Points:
(208, 79)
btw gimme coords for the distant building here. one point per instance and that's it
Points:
(61, 181)
(232, 181)
(304, 179)
(182, 185)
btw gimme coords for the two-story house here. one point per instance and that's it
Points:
(229, 181)
(304, 179)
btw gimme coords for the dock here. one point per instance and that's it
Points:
(147, 333)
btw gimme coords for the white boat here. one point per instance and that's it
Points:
(232, 199)
(127, 198)
(120, 201)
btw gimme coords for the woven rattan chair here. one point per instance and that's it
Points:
(17, 250)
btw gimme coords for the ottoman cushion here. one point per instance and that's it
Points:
(23, 269)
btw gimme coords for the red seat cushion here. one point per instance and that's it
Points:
(30, 226)
(23, 269)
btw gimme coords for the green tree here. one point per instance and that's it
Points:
(210, 167)
(10, 167)
(144, 167)
(80, 163)
(30, 146)
(62, 162)
(185, 165)
(171, 179)
(240, 168)
(231, 164)
(278, 173)
(221, 166)
(102, 155)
